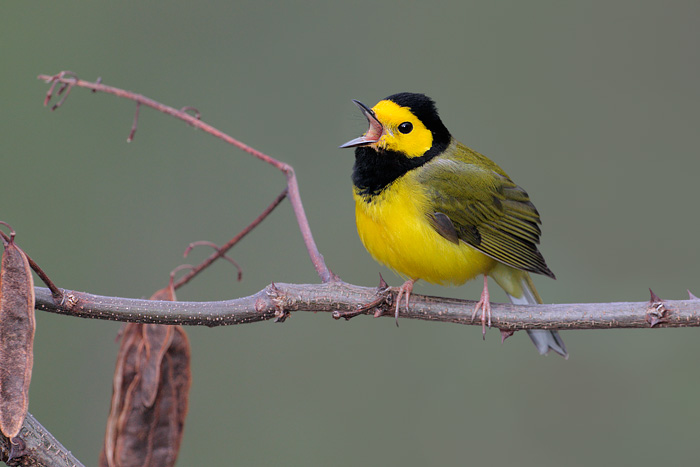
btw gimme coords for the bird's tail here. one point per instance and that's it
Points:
(544, 339)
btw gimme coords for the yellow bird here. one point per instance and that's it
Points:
(430, 208)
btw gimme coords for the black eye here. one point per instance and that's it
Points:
(406, 127)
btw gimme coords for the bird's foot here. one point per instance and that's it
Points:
(404, 290)
(485, 304)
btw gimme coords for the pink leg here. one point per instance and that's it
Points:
(485, 305)
(406, 290)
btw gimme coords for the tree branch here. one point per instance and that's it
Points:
(36, 443)
(278, 301)
(68, 80)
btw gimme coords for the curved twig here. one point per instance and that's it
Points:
(228, 245)
(69, 79)
(216, 247)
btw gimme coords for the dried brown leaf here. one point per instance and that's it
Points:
(149, 402)
(124, 375)
(156, 340)
(17, 325)
(173, 401)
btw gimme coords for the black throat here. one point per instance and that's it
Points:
(375, 170)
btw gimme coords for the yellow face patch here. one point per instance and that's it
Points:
(396, 120)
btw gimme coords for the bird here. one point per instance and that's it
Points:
(432, 209)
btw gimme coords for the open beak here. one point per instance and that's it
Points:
(373, 134)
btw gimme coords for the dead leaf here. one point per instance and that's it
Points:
(17, 326)
(150, 395)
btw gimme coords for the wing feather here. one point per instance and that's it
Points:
(488, 211)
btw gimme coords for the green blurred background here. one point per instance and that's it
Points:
(591, 106)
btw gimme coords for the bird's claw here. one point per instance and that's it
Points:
(485, 304)
(404, 290)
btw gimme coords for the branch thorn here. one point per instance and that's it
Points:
(656, 311)
(382, 283)
(654, 297)
(505, 334)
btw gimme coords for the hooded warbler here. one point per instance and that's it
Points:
(430, 208)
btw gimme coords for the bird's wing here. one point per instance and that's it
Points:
(479, 205)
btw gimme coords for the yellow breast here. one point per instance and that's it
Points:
(394, 228)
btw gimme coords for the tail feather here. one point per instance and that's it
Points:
(544, 339)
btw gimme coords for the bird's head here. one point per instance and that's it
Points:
(405, 123)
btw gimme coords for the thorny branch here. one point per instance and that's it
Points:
(36, 443)
(67, 80)
(342, 300)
